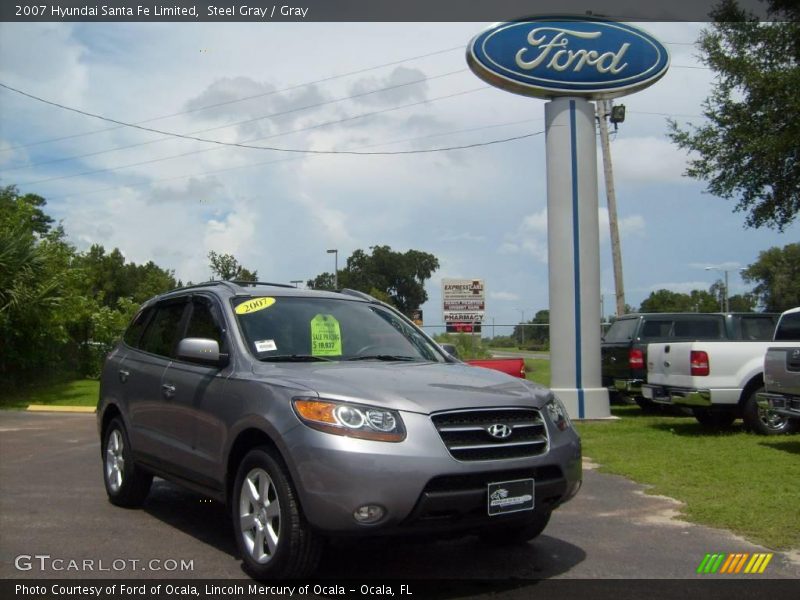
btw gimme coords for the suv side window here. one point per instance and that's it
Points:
(789, 328)
(205, 321)
(134, 332)
(164, 331)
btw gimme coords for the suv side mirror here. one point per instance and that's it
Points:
(450, 349)
(202, 350)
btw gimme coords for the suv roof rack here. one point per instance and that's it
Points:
(358, 294)
(242, 283)
(199, 285)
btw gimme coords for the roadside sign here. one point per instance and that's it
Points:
(463, 304)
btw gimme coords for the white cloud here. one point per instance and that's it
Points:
(503, 296)
(531, 235)
(645, 160)
(628, 225)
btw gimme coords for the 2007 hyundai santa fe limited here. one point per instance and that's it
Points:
(315, 414)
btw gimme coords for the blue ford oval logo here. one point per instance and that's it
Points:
(562, 56)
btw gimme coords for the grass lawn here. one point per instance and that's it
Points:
(538, 370)
(80, 392)
(731, 479)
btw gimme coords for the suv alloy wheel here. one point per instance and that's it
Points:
(126, 484)
(272, 534)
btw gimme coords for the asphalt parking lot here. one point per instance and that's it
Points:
(52, 502)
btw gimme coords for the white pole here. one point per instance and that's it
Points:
(574, 263)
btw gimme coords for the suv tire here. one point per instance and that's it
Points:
(506, 535)
(762, 421)
(272, 534)
(126, 483)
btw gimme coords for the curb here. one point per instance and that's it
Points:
(60, 409)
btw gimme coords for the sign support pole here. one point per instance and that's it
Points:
(574, 257)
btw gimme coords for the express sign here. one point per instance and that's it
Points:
(562, 56)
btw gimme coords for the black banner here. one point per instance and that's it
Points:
(517, 589)
(354, 10)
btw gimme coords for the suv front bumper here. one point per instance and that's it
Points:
(419, 484)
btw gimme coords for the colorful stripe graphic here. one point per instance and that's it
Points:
(734, 564)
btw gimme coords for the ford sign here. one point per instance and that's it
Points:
(564, 56)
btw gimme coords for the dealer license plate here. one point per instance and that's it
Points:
(510, 496)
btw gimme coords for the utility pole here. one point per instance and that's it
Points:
(602, 107)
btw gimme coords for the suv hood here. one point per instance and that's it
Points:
(415, 387)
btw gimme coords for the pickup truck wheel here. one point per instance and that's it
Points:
(272, 534)
(765, 421)
(126, 484)
(714, 419)
(505, 535)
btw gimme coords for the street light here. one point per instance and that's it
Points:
(725, 305)
(335, 253)
(296, 281)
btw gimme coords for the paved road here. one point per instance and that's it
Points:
(52, 502)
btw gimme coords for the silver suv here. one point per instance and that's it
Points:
(315, 414)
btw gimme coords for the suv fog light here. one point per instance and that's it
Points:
(369, 513)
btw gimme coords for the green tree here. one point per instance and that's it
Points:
(537, 331)
(34, 261)
(669, 301)
(323, 281)
(226, 267)
(749, 147)
(776, 274)
(395, 277)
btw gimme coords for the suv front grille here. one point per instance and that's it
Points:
(466, 433)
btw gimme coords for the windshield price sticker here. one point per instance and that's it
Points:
(254, 305)
(326, 336)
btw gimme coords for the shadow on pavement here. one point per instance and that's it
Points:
(193, 514)
(358, 558)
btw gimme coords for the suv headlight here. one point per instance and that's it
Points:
(558, 414)
(352, 420)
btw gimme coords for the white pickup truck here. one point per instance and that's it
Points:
(719, 381)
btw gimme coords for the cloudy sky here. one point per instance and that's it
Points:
(323, 86)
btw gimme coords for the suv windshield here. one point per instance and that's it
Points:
(307, 329)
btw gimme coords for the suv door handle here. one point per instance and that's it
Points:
(123, 375)
(168, 390)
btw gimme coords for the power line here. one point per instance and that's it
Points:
(243, 144)
(244, 122)
(292, 158)
(264, 94)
